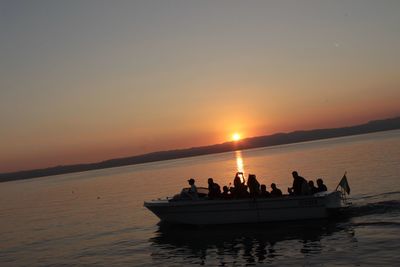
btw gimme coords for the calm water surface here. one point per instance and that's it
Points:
(97, 218)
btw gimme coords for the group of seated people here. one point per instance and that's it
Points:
(254, 189)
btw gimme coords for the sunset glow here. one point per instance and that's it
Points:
(235, 137)
(163, 75)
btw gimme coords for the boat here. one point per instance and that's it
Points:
(203, 211)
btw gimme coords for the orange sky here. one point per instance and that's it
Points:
(85, 82)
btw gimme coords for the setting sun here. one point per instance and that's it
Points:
(235, 137)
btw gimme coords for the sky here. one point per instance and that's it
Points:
(85, 81)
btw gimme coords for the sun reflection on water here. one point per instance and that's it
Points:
(239, 161)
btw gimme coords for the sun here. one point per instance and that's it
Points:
(236, 137)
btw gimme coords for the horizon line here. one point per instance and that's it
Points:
(194, 147)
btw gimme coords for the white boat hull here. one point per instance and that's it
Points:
(203, 212)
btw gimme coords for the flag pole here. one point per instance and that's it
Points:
(341, 180)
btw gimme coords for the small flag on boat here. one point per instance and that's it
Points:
(344, 184)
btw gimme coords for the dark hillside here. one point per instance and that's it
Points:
(261, 141)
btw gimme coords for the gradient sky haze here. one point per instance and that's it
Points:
(84, 81)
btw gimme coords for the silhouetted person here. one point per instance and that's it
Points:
(237, 182)
(214, 190)
(254, 185)
(192, 192)
(240, 189)
(300, 185)
(321, 186)
(312, 187)
(225, 194)
(264, 192)
(275, 192)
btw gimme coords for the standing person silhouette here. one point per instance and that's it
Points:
(300, 185)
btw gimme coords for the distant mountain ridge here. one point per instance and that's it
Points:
(253, 142)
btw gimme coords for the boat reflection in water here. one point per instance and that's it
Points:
(245, 243)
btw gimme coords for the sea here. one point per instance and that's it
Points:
(97, 218)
